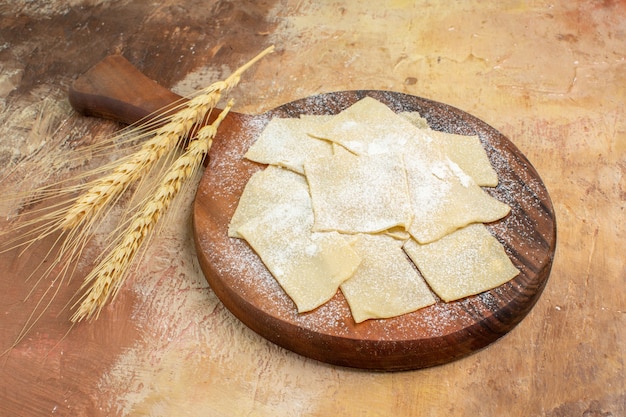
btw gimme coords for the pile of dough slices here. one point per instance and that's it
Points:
(345, 198)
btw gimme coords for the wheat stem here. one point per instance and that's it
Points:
(106, 279)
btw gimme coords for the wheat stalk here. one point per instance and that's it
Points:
(106, 189)
(105, 280)
(76, 217)
(86, 209)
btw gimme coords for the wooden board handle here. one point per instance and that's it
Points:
(115, 89)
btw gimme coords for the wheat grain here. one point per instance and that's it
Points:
(106, 279)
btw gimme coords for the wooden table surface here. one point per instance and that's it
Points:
(551, 76)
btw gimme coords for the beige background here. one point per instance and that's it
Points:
(551, 76)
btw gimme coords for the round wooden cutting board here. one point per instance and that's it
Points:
(434, 335)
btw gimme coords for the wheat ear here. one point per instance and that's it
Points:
(106, 279)
(76, 217)
(108, 188)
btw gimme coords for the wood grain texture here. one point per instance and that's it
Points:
(115, 89)
(430, 336)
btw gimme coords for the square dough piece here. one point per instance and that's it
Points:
(264, 190)
(443, 197)
(386, 284)
(369, 127)
(466, 262)
(285, 142)
(468, 153)
(358, 194)
(465, 150)
(308, 266)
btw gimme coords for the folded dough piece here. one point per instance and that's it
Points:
(309, 266)
(358, 194)
(285, 142)
(386, 284)
(466, 262)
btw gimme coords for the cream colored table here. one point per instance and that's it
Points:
(550, 76)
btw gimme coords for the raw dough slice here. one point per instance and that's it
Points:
(353, 194)
(285, 142)
(264, 190)
(308, 266)
(466, 262)
(443, 197)
(369, 127)
(468, 153)
(386, 284)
